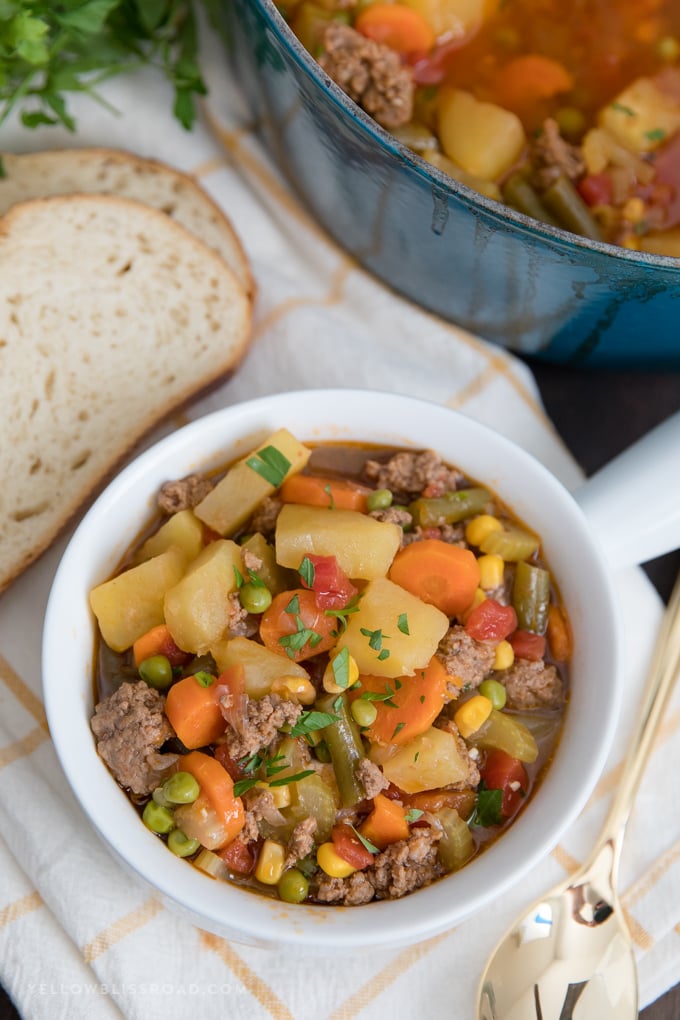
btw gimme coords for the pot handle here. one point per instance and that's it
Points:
(633, 503)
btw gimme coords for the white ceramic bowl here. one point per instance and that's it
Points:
(117, 517)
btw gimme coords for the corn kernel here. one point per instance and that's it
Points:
(330, 861)
(479, 527)
(269, 867)
(634, 210)
(294, 688)
(491, 571)
(280, 794)
(472, 714)
(329, 682)
(505, 655)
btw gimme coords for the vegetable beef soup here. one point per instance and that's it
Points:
(569, 112)
(333, 673)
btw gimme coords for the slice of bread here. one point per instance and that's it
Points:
(111, 317)
(117, 172)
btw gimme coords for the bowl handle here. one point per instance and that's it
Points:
(633, 503)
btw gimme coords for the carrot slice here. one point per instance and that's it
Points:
(194, 712)
(411, 709)
(312, 490)
(217, 787)
(444, 575)
(529, 78)
(386, 823)
(559, 637)
(401, 28)
(158, 641)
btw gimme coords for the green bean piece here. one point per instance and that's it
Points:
(181, 845)
(531, 597)
(293, 886)
(345, 748)
(157, 818)
(380, 499)
(563, 200)
(322, 753)
(156, 671)
(450, 508)
(518, 193)
(181, 788)
(255, 598)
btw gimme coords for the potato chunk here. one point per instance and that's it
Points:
(183, 529)
(237, 496)
(197, 608)
(427, 762)
(129, 605)
(363, 546)
(393, 633)
(482, 138)
(261, 666)
(642, 117)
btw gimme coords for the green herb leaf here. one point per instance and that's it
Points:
(488, 810)
(397, 729)
(204, 679)
(242, 786)
(365, 842)
(285, 780)
(342, 614)
(655, 135)
(239, 577)
(270, 464)
(402, 624)
(331, 501)
(293, 606)
(313, 720)
(621, 108)
(340, 664)
(413, 815)
(306, 571)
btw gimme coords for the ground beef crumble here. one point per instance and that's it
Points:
(130, 727)
(183, 494)
(266, 516)
(402, 868)
(370, 73)
(554, 157)
(371, 777)
(301, 841)
(530, 685)
(466, 661)
(411, 473)
(260, 722)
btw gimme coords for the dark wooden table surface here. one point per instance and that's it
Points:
(598, 414)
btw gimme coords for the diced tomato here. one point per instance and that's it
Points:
(331, 585)
(348, 846)
(526, 645)
(227, 762)
(490, 621)
(432, 69)
(294, 623)
(596, 189)
(503, 772)
(238, 856)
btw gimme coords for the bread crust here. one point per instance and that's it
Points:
(112, 317)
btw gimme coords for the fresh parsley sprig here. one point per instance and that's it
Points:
(48, 51)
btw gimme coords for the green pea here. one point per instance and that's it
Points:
(181, 845)
(363, 712)
(157, 818)
(571, 121)
(293, 886)
(181, 788)
(495, 692)
(156, 671)
(255, 598)
(380, 499)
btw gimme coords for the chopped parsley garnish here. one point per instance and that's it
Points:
(313, 720)
(204, 679)
(413, 815)
(272, 766)
(306, 571)
(270, 464)
(342, 614)
(402, 624)
(296, 642)
(655, 135)
(293, 606)
(331, 501)
(375, 640)
(340, 664)
(620, 108)
(239, 578)
(385, 697)
(488, 810)
(285, 780)
(397, 729)
(372, 849)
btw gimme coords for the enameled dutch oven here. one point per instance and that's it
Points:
(535, 289)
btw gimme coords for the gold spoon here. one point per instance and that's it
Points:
(570, 957)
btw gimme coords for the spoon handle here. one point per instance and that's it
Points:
(662, 675)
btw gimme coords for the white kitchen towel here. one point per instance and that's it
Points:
(79, 938)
